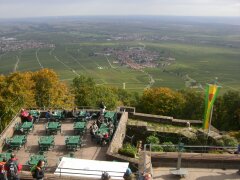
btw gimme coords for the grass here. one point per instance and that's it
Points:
(71, 58)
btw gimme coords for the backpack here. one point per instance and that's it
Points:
(105, 176)
(33, 171)
(12, 169)
(2, 168)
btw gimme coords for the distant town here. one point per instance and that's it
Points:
(12, 44)
(138, 57)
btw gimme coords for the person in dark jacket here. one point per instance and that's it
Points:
(40, 170)
(13, 168)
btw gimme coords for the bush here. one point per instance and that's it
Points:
(169, 147)
(229, 141)
(128, 150)
(157, 148)
(152, 139)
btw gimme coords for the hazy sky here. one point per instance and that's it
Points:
(35, 8)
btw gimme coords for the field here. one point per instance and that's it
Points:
(203, 52)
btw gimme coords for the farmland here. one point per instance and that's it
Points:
(201, 51)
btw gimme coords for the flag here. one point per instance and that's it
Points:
(211, 95)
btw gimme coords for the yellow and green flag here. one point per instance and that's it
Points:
(211, 95)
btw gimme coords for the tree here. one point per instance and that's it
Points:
(16, 91)
(87, 93)
(49, 91)
(226, 115)
(194, 105)
(31, 89)
(163, 101)
(83, 89)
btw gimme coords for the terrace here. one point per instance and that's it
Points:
(67, 137)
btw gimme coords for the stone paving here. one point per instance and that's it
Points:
(163, 173)
(90, 150)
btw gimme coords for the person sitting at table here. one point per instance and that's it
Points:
(24, 115)
(74, 113)
(95, 128)
(99, 138)
(105, 139)
(88, 116)
(36, 117)
(48, 115)
(29, 117)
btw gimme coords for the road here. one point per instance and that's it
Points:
(16, 64)
(38, 59)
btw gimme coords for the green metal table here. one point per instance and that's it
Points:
(81, 116)
(26, 127)
(58, 114)
(73, 142)
(16, 142)
(109, 115)
(102, 131)
(33, 160)
(35, 114)
(7, 156)
(79, 127)
(45, 142)
(53, 127)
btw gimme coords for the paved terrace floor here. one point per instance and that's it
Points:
(90, 150)
(197, 174)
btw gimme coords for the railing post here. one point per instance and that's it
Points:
(145, 153)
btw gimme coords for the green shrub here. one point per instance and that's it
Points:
(169, 147)
(152, 139)
(157, 148)
(229, 141)
(220, 142)
(128, 150)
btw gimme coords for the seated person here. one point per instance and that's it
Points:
(75, 113)
(110, 132)
(48, 115)
(105, 139)
(30, 118)
(128, 174)
(88, 115)
(24, 115)
(95, 128)
(99, 138)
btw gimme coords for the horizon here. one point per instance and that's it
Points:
(53, 8)
(230, 20)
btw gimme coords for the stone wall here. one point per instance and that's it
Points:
(8, 131)
(163, 119)
(119, 135)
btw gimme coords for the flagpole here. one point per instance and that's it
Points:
(210, 121)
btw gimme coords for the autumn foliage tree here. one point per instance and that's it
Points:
(31, 89)
(162, 101)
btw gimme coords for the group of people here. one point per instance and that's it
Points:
(128, 175)
(26, 116)
(102, 138)
(9, 170)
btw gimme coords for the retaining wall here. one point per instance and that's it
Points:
(8, 131)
